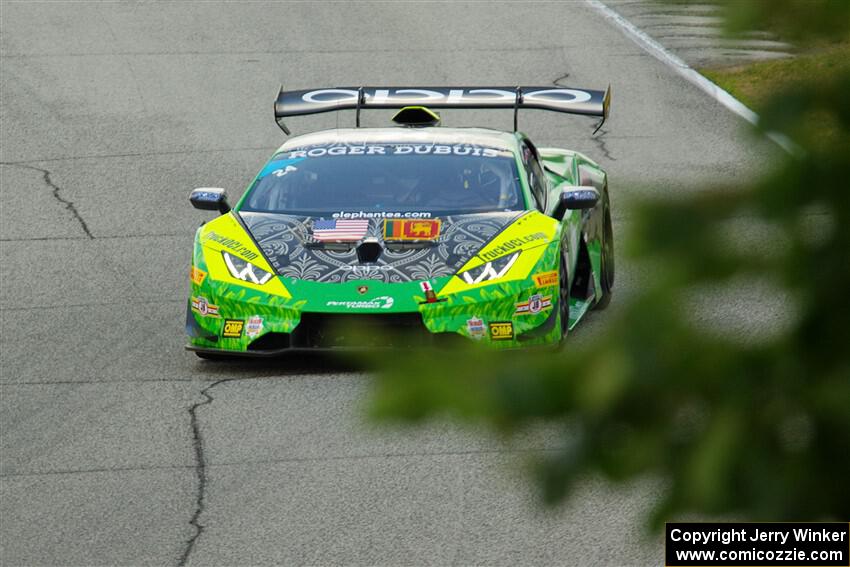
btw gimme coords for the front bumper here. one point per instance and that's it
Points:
(253, 325)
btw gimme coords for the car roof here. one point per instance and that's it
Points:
(427, 135)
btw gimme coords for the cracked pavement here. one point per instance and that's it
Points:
(69, 205)
(119, 448)
(200, 469)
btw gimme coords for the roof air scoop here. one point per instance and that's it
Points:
(416, 117)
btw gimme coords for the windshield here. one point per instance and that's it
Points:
(386, 181)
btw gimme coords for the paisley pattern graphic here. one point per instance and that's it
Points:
(286, 242)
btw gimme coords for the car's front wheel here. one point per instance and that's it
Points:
(564, 298)
(606, 275)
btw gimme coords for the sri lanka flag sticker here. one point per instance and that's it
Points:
(406, 229)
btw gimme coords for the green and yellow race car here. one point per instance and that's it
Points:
(408, 235)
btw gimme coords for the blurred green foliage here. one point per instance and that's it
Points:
(755, 427)
(801, 21)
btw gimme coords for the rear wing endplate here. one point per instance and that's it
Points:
(557, 99)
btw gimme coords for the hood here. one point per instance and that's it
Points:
(285, 239)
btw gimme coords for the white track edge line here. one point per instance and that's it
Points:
(688, 73)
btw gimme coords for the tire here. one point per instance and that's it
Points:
(564, 298)
(606, 276)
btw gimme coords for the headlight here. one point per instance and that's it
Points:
(245, 271)
(489, 271)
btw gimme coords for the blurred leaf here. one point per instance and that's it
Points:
(758, 427)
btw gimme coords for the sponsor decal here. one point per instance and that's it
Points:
(365, 268)
(544, 279)
(511, 245)
(279, 167)
(362, 289)
(398, 150)
(320, 151)
(232, 328)
(494, 97)
(245, 271)
(446, 150)
(382, 302)
(231, 244)
(197, 276)
(501, 331)
(430, 294)
(489, 272)
(475, 328)
(209, 196)
(535, 304)
(254, 326)
(411, 229)
(381, 215)
(204, 307)
(345, 230)
(280, 172)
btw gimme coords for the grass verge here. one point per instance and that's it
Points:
(754, 83)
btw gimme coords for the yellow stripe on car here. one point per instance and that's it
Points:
(529, 235)
(225, 234)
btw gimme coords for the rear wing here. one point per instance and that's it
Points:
(557, 99)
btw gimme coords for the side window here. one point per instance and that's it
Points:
(536, 177)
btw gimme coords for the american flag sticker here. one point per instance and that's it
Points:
(340, 230)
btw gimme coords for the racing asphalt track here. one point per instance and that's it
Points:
(110, 114)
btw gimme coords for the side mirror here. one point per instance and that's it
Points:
(209, 199)
(574, 197)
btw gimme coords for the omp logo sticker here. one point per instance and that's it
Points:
(232, 328)
(383, 302)
(501, 331)
(544, 279)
